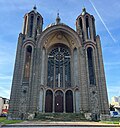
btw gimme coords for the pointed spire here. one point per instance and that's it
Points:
(83, 11)
(58, 18)
(35, 9)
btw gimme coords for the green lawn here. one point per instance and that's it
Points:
(113, 120)
(3, 120)
(110, 122)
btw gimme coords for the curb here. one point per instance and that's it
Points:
(59, 125)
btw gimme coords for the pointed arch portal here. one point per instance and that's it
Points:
(49, 101)
(69, 101)
(59, 104)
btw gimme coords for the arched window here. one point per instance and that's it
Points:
(81, 26)
(59, 72)
(88, 27)
(93, 26)
(25, 22)
(31, 24)
(91, 66)
(38, 21)
(28, 56)
(37, 27)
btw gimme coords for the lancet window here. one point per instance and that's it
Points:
(28, 56)
(91, 66)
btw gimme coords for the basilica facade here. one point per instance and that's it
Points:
(58, 69)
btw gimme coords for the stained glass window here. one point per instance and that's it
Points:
(59, 74)
(91, 66)
(27, 62)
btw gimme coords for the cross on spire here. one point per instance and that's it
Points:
(34, 8)
(58, 18)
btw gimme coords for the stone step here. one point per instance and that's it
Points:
(60, 117)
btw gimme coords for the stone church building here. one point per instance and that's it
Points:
(58, 69)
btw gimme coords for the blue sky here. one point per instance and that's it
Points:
(11, 21)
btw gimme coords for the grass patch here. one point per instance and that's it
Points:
(110, 122)
(3, 120)
(113, 120)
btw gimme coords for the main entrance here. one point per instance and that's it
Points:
(59, 101)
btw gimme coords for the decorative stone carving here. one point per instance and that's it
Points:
(59, 36)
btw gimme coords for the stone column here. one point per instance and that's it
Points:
(43, 67)
(53, 102)
(75, 55)
(44, 101)
(73, 102)
(64, 104)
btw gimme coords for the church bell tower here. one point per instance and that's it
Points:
(33, 24)
(23, 72)
(97, 93)
(85, 26)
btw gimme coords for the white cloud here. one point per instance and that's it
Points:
(113, 90)
(5, 77)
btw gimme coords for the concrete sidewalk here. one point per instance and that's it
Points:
(60, 124)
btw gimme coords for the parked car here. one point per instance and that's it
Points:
(114, 114)
(3, 115)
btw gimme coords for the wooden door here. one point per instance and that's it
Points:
(49, 101)
(59, 105)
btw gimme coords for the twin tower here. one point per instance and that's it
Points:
(58, 69)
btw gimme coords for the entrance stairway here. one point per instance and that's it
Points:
(60, 117)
